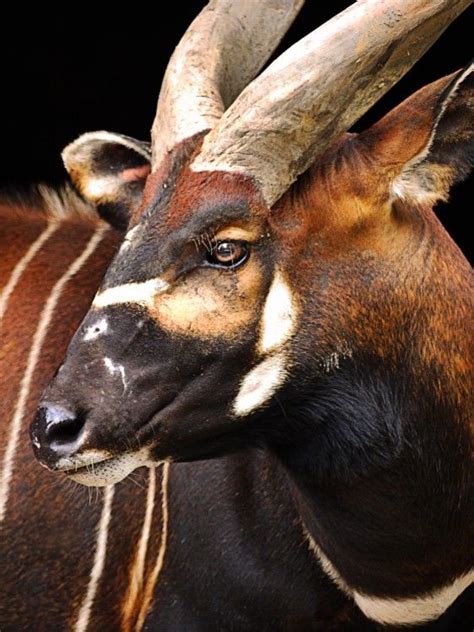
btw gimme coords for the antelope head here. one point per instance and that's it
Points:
(268, 252)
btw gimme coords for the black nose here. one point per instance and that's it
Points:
(55, 433)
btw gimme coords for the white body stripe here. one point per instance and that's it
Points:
(145, 535)
(393, 611)
(134, 293)
(137, 573)
(260, 384)
(33, 357)
(325, 563)
(153, 577)
(416, 609)
(23, 264)
(83, 617)
(279, 316)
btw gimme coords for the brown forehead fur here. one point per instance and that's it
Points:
(190, 190)
(205, 188)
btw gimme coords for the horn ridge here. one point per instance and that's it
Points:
(222, 50)
(319, 88)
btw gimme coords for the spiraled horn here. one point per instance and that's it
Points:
(222, 50)
(319, 87)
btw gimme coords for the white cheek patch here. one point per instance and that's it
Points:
(132, 293)
(414, 610)
(99, 328)
(260, 384)
(279, 316)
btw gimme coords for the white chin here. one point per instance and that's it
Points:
(110, 471)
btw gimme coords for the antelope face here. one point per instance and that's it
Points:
(188, 336)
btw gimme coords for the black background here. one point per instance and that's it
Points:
(79, 70)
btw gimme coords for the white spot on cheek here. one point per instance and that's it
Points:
(97, 329)
(279, 316)
(116, 368)
(133, 293)
(260, 384)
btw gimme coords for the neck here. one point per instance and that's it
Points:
(380, 477)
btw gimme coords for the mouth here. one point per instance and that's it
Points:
(105, 470)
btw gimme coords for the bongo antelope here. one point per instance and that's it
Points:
(285, 285)
(152, 550)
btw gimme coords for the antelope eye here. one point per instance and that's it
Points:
(228, 254)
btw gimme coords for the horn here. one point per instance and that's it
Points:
(222, 50)
(319, 87)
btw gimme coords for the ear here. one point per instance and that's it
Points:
(110, 171)
(427, 144)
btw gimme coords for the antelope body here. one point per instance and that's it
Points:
(151, 551)
(286, 286)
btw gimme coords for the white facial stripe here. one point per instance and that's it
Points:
(132, 293)
(113, 368)
(260, 384)
(97, 329)
(415, 610)
(279, 316)
(113, 470)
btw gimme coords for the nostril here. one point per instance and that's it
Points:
(57, 432)
(57, 429)
(64, 431)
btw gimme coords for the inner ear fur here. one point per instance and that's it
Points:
(110, 171)
(426, 144)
